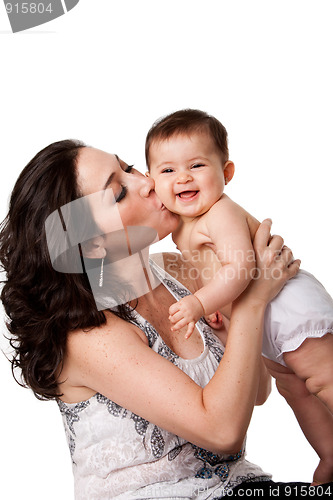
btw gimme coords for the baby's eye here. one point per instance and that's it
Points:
(166, 170)
(196, 165)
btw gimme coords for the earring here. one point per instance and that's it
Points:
(226, 180)
(101, 274)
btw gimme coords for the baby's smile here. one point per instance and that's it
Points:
(187, 195)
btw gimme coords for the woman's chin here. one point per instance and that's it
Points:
(169, 224)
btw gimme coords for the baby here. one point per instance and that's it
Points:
(187, 156)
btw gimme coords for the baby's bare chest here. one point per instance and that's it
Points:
(192, 236)
(198, 249)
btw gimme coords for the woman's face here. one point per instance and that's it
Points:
(123, 196)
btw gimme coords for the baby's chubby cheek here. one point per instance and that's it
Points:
(164, 191)
(166, 197)
(159, 187)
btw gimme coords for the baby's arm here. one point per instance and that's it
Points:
(314, 418)
(226, 227)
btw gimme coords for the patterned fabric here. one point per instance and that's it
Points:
(118, 454)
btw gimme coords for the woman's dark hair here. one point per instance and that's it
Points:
(42, 305)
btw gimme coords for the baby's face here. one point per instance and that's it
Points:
(188, 173)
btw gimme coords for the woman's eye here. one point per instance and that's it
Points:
(122, 194)
(129, 169)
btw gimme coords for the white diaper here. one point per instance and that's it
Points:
(301, 310)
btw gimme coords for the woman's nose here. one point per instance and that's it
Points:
(147, 185)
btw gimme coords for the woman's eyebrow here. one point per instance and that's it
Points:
(108, 182)
(109, 179)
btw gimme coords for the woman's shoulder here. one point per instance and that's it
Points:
(88, 348)
(113, 326)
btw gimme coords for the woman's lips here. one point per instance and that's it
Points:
(158, 204)
(187, 195)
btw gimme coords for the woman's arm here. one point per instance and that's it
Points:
(116, 361)
(264, 384)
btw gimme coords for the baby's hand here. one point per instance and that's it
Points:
(323, 473)
(215, 320)
(186, 312)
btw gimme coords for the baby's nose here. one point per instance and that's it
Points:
(184, 176)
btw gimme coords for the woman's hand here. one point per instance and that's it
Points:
(275, 265)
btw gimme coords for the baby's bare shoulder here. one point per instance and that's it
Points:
(225, 209)
(228, 210)
(227, 204)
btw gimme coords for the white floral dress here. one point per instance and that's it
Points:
(119, 455)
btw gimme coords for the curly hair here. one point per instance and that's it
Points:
(41, 304)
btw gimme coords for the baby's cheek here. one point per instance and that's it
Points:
(163, 192)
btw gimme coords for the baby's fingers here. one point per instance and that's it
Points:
(215, 320)
(190, 330)
(174, 308)
(177, 316)
(211, 318)
(180, 324)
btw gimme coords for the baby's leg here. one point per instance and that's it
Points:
(289, 385)
(314, 417)
(313, 363)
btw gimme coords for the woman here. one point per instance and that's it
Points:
(147, 413)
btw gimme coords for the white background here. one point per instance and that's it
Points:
(103, 73)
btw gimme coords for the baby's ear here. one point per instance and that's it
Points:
(228, 171)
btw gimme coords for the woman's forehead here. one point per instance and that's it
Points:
(94, 166)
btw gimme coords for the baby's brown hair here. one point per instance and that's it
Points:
(188, 121)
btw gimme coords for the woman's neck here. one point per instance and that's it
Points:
(131, 274)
